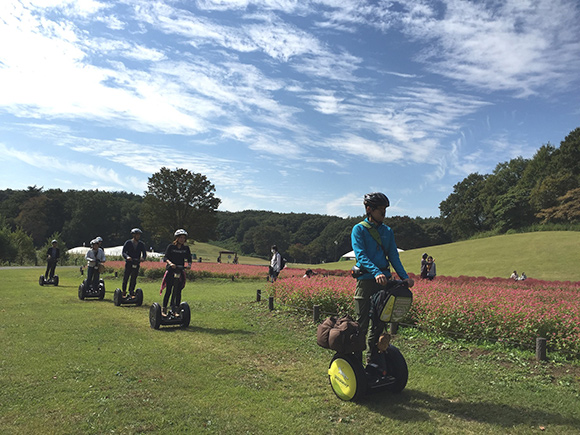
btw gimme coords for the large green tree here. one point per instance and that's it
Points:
(180, 199)
(464, 210)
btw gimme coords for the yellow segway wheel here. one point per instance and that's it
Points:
(346, 379)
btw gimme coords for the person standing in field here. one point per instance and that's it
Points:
(431, 268)
(424, 266)
(375, 249)
(133, 250)
(275, 264)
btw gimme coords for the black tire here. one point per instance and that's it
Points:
(82, 290)
(185, 314)
(55, 280)
(101, 291)
(41, 280)
(347, 377)
(155, 315)
(117, 297)
(102, 283)
(138, 297)
(397, 368)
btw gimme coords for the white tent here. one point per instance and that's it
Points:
(115, 251)
(350, 255)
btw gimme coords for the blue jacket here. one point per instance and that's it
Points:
(369, 254)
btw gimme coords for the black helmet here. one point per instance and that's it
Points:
(376, 199)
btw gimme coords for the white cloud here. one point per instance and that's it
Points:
(344, 205)
(520, 47)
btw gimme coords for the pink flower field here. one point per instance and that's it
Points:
(474, 308)
(201, 270)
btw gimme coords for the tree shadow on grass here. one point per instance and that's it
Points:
(414, 405)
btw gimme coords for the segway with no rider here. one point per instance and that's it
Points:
(386, 369)
(176, 254)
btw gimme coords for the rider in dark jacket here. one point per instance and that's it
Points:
(134, 252)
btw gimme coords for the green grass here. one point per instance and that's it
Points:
(550, 255)
(71, 366)
(210, 253)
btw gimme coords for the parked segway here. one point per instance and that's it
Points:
(387, 369)
(50, 281)
(136, 300)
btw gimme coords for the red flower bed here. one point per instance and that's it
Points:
(494, 309)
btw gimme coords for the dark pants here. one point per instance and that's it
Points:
(365, 288)
(131, 271)
(272, 274)
(173, 290)
(93, 277)
(50, 267)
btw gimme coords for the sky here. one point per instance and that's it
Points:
(284, 105)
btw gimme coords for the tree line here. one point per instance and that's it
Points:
(518, 194)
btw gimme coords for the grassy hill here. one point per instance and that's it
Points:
(549, 255)
(209, 253)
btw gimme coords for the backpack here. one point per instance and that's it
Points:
(391, 304)
(342, 335)
(282, 262)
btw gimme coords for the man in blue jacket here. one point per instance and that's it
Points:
(133, 249)
(375, 249)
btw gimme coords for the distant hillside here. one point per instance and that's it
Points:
(209, 253)
(549, 255)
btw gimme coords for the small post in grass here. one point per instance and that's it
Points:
(316, 313)
(540, 349)
(271, 303)
(258, 295)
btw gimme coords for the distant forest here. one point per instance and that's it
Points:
(518, 195)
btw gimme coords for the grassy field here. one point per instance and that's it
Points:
(549, 255)
(69, 366)
(210, 253)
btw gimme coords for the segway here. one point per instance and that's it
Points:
(50, 281)
(87, 291)
(156, 319)
(136, 300)
(387, 370)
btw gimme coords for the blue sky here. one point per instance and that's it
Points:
(285, 105)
